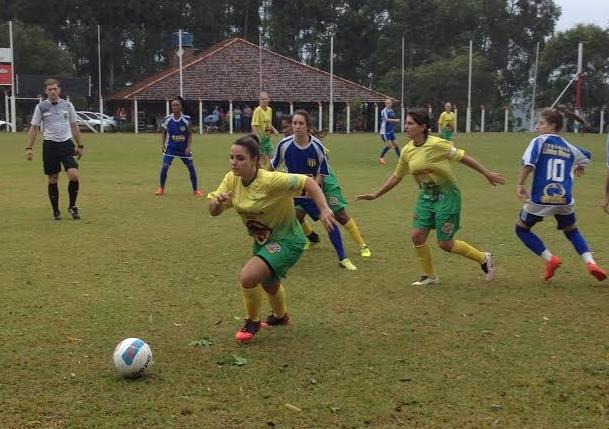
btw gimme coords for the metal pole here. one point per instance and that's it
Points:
(534, 89)
(135, 118)
(291, 108)
(260, 59)
(320, 123)
(505, 121)
(13, 106)
(468, 114)
(180, 54)
(602, 120)
(376, 117)
(402, 93)
(167, 110)
(578, 84)
(90, 84)
(200, 117)
(348, 118)
(6, 110)
(482, 114)
(230, 116)
(101, 100)
(331, 106)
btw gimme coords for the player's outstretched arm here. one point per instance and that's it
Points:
(389, 184)
(326, 216)
(521, 190)
(492, 177)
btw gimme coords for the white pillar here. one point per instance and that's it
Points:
(482, 112)
(101, 115)
(348, 118)
(602, 120)
(403, 119)
(376, 118)
(291, 108)
(230, 116)
(200, 117)
(6, 111)
(320, 122)
(456, 120)
(167, 110)
(135, 118)
(468, 112)
(13, 87)
(331, 118)
(505, 122)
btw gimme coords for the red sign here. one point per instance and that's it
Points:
(6, 74)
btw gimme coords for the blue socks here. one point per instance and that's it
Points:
(397, 150)
(193, 174)
(578, 241)
(530, 240)
(384, 151)
(337, 242)
(164, 170)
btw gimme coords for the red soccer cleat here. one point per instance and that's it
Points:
(382, 160)
(247, 332)
(596, 271)
(550, 267)
(160, 191)
(197, 193)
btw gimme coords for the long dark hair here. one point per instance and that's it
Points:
(185, 108)
(556, 116)
(421, 116)
(307, 117)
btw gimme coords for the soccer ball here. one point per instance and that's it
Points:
(132, 358)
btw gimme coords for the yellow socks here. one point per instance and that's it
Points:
(353, 230)
(464, 249)
(424, 256)
(252, 301)
(306, 227)
(277, 302)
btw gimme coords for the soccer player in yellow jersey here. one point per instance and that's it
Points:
(264, 200)
(438, 206)
(262, 126)
(447, 123)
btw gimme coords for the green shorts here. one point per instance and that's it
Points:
(334, 196)
(280, 255)
(447, 134)
(442, 214)
(266, 147)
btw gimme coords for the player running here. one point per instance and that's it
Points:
(438, 206)
(447, 123)
(553, 162)
(388, 121)
(175, 143)
(264, 200)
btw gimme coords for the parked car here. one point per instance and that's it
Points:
(107, 120)
(90, 120)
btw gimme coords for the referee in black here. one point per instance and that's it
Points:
(58, 118)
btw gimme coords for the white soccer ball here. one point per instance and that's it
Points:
(132, 358)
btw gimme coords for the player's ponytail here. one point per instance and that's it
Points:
(251, 143)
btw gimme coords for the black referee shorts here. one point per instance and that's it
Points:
(56, 153)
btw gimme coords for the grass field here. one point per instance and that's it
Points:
(364, 348)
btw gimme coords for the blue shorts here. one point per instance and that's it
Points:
(388, 137)
(308, 206)
(562, 221)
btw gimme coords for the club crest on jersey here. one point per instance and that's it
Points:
(448, 228)
(311, 162)
(554, 193)
(273, 247)
(333, 201)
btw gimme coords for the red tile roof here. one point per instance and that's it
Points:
(229, 71)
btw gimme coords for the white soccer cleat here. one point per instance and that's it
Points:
(488, 266)
(425, 281)
(347, 264)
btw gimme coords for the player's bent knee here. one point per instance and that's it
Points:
(447, 246)
(570, 228)
(521, 227)
(53, 178)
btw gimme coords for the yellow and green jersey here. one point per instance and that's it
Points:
(447, 119)
(266, 206)
(429, 164)
(262, 120)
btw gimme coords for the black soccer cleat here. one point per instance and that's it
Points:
(74, 212)
(313, 237)
(56, 215)
(273, 320)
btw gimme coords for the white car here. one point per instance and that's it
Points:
(107, 120)
(90, 120)
(3, 125)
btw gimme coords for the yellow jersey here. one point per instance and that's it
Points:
(266, 205)
(446, 119)
(429, 164)
(262, 120)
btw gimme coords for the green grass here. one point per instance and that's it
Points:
(364, 350)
